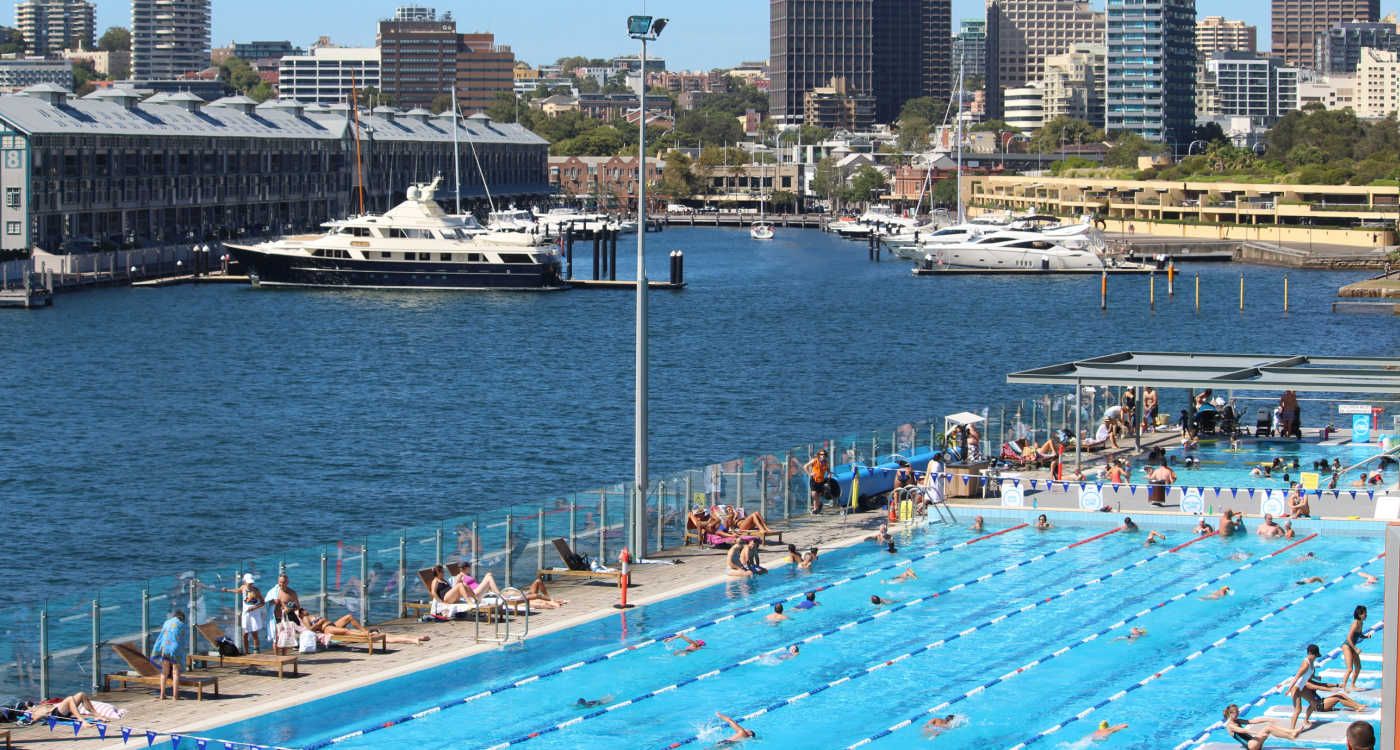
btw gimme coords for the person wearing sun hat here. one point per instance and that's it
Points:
(254, 612)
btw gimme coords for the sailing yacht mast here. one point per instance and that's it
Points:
(456, 157)
(962, 214)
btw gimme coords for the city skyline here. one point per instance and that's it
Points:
(721, 33)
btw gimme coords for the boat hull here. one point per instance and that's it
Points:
(279, 270)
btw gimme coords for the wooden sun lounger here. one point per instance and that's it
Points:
(575, 567)
(6, 734)
(148, 674)
(363, 639)
(271, 662)
(425, 575)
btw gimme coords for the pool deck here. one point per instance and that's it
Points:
(330, 672)
(327, 673)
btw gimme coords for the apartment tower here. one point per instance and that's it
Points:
(893, 50)
(1295, 25)
(168, 38)
(51, 26)
(423, 57)
(1151, 69)
(1022, 33)
(1216, 34)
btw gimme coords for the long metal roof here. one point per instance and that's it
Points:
(1248, 372)
(105, 116)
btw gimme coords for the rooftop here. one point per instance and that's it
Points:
(1248, 372)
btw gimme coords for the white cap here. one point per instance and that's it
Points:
(247, 577)
(1219, 401)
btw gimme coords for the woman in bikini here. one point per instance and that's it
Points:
(1351, 654)
(1252, 734)
(1305, 686)
(734, 564)
(348, 625)
(73, 708)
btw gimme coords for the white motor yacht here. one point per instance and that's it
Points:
(1077, 248)
(761, 230)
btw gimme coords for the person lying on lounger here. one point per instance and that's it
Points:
(73, 707)
(347, 625)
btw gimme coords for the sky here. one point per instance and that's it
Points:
(703, 34)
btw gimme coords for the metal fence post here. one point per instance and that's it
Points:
(364, 582)
(602, 525)
(476, 548)
(689, 490)
(573, 522)
(97, 645)
(509, 520)
(437, 546)
(874, 447)
(539, 542)
(739, 478)
(403, 571)
(44, 650)
(763, 486)
(237, 608)
(787, 485)
(322, 607)
(660, 515)
(193, 620)
(145, 623)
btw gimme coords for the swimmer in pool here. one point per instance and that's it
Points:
(777, 614)
(593, 702)
(1219, 593)
(876, 600)
(1153, 537)
(1042, 523)
(809, 600)
(891, 548)
(740, 733)
(1370, 579)
(1106, 730)
(907, 575)
(938, 725)
(1310, 579)
(1128, 525)
(977, 524)
(1239, 556)
(691, 646)
(791, 652)
(883, 535)
(1305, 557)
(1133, 634)
(1203, 528)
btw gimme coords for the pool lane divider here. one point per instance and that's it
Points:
(1184, 545)
(849, 625)
(1264, 696)
(1028, 666)
(652, 641)
(1192, 656)
(969, 631)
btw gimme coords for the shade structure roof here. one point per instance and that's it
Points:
(1248, 372)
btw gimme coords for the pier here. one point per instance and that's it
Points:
(33, 290)
(737, 220)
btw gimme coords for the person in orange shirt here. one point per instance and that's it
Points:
(818, 470)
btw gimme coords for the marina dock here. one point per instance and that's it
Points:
(215, 277)
(623, 284)
(34, 290)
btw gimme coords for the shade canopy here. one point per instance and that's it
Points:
(963, 418)
(1241, 372)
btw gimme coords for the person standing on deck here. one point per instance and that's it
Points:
(818, 471)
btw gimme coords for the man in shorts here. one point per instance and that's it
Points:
(818, 471)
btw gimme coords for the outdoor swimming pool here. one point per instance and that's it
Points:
(1222, 467)
(1017, 619)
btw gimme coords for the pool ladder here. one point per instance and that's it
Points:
(935, 510)
(513, 602)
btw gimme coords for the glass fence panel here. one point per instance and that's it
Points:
(420, 554)
(19, 651)
(615, 519)
(381, 591)
(491, 547)
(556, 526)
(70, 646)
(342, 576)
(119, 621)
(583, 523)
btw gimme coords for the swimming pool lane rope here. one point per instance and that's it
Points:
(884, 612)
(988, 623)
(652, 641)
(1192, 656)
(1264, 696)
(1028, 666)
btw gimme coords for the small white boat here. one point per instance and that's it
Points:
(760, 230)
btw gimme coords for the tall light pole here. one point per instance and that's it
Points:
(644, 29)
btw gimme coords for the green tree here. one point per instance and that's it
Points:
(370, 96)
(782, 200)
(1064, 130)
(826, 179)
(1127, 147)
(990, 126)
(441, 103)
(568, 64)
(261, 92)
(239, 74)
(11, 41)
(503, 107)
(913, 132)
(925, 108)
(115, 39)
(83, 77)
(678, 181)
(866, 185)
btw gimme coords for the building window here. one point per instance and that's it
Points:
(11, 197)
(12, 228)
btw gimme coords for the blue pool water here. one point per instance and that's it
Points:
(1044, 595)
(1223, 467)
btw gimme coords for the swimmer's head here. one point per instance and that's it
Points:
(875, 599)
(778, 608)
(1103, 724)
(811, 596)
(1313, 650)
(699, 644)
(793, 649)
(891, 548)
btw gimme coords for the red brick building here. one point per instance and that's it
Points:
(610, 180)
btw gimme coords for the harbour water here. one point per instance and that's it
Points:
(152, 431)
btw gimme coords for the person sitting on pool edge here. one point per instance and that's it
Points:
(1252, 733)
(1305, 687)
(1298, 506)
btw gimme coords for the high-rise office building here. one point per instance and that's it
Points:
(1377, 84)
(168, 38)
(1241, 84)
(328, 75)
(1337, 51)
(970, 48)
(893, 50)
(1151, 68)
(1295, 24)
(1073, 84)
(1215, 34)
(1021, 33)
(423, 57)
(51, 26)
